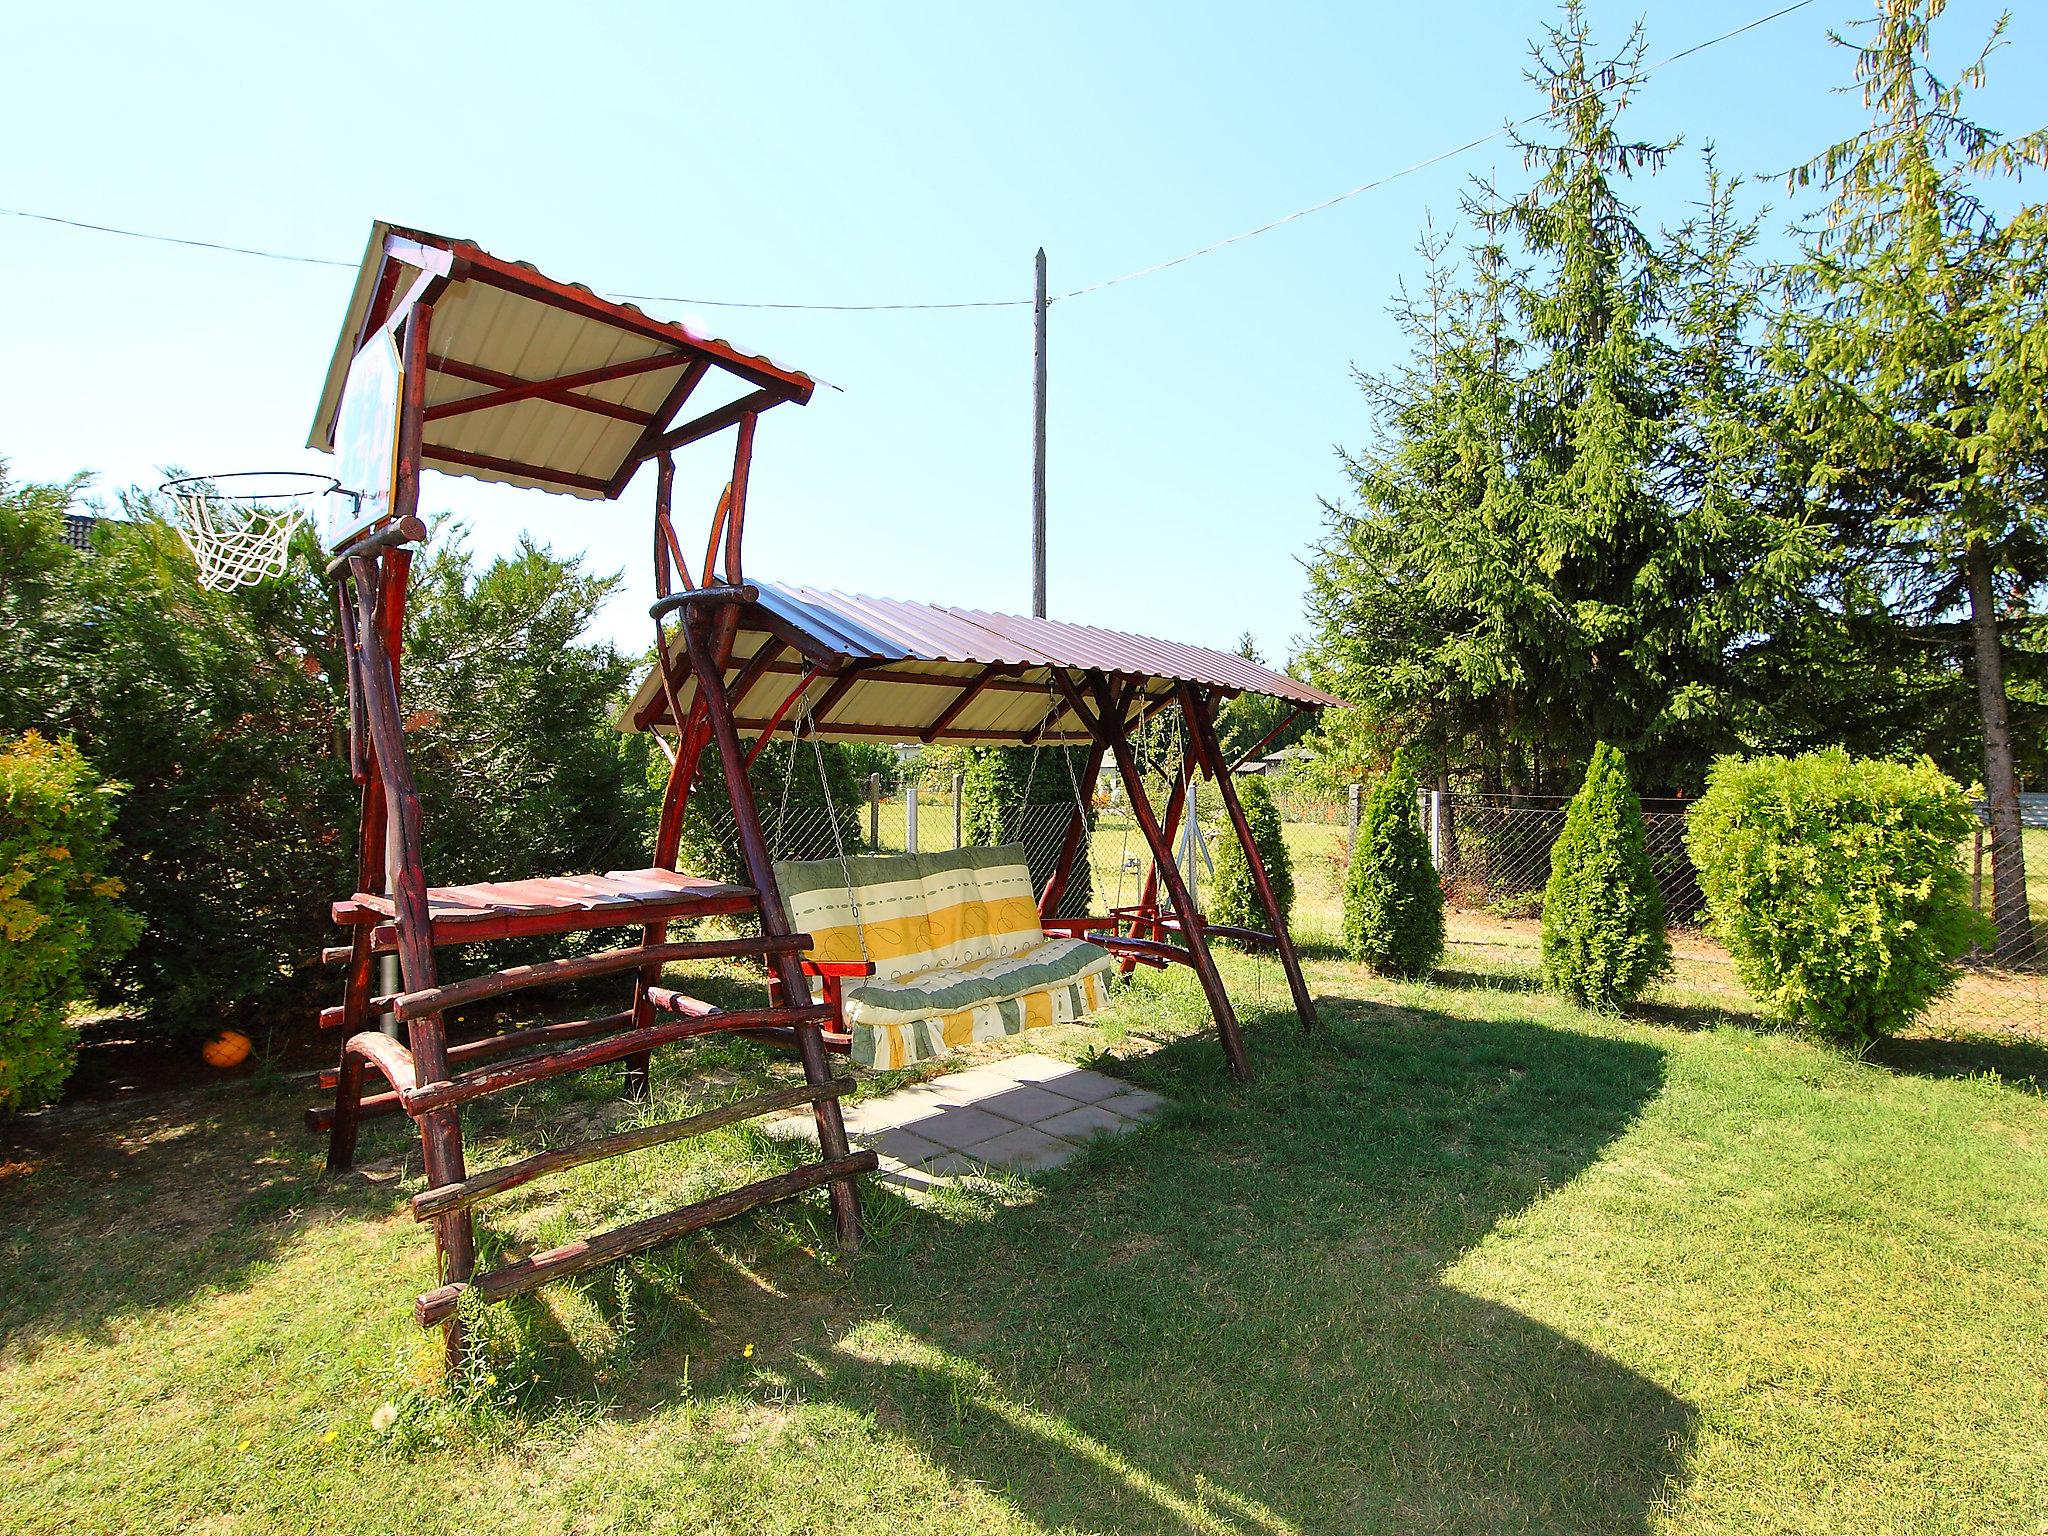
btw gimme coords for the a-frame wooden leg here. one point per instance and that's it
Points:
(1110, 727)
(1201, 722)
(789, 976)
(440, 1130)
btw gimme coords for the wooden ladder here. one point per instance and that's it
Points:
(429, 1079)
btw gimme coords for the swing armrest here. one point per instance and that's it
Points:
(836, 967)
(1074, 927)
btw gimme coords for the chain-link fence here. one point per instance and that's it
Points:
(1493, 854)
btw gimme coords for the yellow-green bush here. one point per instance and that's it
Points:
(59, 921)
(1837, 883)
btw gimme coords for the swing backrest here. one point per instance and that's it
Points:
(913, 912)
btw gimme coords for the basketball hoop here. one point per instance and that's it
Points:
(239, 526)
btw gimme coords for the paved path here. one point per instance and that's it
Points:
(1022, 1113)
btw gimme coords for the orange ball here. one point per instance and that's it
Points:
(229, 1048)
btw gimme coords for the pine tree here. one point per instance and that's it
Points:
(1603, 916)
(1915, 375)
(1564, 529)
(1393, 904)
(1235, 897)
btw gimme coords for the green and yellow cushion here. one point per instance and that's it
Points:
(888, 1046)
(956, 946)
(951, 988)
(886, 907)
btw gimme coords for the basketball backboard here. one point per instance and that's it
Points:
(365, 442)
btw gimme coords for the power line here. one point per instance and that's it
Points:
(1420, 165)
(1096, 287)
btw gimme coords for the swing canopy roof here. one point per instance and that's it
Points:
(541, 383)
(882, 669)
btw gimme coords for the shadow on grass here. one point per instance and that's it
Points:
(112, 1209)
(2021, 1063)
(1242, 1308)
(1236, 1320)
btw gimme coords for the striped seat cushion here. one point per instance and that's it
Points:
(888, 1046)
(956, 946)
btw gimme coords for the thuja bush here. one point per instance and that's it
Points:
(59, 920)
(1603, 916)
(1235, 900)
(1393, 904)
(1837, 883)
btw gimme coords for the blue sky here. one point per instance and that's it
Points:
(837, 154)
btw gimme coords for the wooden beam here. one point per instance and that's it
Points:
(479, 1186)
(588, 1252)
(963, 698)
(666, 413)
(760, 867)
(710, 423)
(559, 390)
(519, 978)
(562, 478)
(1183, 902)
(1200, 718)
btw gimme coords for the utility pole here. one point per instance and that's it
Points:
(1038, 451)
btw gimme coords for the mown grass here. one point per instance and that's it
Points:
(1468, 1260)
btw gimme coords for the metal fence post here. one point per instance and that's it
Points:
(1351, 822)
(875, 812)
(958, 780)
(910, 818)
(1436, 830)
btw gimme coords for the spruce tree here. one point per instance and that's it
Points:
(1603, 916)
(1393, 905)
(1235, 898)
(1914, 376)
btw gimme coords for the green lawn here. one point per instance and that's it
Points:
(1468, 1261)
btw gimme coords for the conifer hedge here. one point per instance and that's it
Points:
(1393, 903)
(1603, 916)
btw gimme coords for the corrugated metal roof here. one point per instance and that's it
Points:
(485, 337)
(916, 657)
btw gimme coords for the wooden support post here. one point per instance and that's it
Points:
(784, 966)
(1111, 725)
(1038, 363)
(1200, 718)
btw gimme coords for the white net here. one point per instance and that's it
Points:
(239, 527)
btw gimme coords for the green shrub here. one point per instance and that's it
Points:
(58, 917)
(992, 789)
(1235, 899)
(1393, 903)
(223, 712)
(1603, 916)
(1837, 883)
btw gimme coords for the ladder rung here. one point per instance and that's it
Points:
(453, 1197)
(587, 1253)
(476, 1085)
(411, 1005)
(519, 1039)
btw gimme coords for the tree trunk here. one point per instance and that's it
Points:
(2001, 787)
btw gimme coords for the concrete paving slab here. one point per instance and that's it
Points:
(1134, 1104)
(1084, 1122)
(963, 1126)
(1025, 1103)
(905, 1146)
(1026, 1149)
(1083, 1086)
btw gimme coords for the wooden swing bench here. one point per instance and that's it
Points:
(510, 376)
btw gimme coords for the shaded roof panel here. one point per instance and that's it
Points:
(912, 662)
(535, 382)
